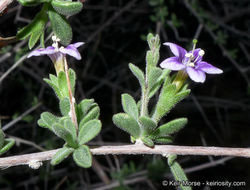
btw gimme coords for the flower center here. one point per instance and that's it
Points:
(55, 42)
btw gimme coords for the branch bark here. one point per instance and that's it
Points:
(29, 159)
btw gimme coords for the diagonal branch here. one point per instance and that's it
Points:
(164, 150)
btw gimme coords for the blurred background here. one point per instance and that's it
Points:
(114, 32)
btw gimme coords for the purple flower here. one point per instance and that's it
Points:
(190, 62)
(54, 52)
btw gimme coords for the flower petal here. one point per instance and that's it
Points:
(176, 50)
(208, 68)
(42, 51)
(173, 64)
(196, 75)
(72, 51)
(77, 44)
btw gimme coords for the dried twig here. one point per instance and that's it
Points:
(132, 149)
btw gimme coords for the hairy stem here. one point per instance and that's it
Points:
(71, 97)
(132, 149)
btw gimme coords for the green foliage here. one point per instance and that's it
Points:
(127, 123)
(1, 138)
(8, 143)
(32, 2)
(82, 156)
(87, 114)
(156, 169)
(129, 106)
(66, 8)
(60, 26)
(141, 124)
(59, 84)
(177, 171)
(160, 11)
(35, 29)
(61, 154)
(89, 130)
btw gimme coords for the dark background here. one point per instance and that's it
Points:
(114, 32)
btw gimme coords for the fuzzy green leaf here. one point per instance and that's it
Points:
(47, 120)
(92, 114)
(138, 74)
(69, 125)
(147, 142)
(1, 138)
(60, 26)
(163, 140)
(154, 75)
(83, 107)
(170, 127)
(129, 106)
(147, 125)
(181, 95)
(127, 123)
(178, 172)
(66, 8)
(166, 101)
(72, 79)
(32, 2)
(62, 84)
(65, 134)
(35, 28)
(82, 156)
(89, 130)
(8, 143)
(64, 105)
(158, 83)
(61, 154)
(54, 87)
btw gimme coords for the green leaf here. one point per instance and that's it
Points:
(154, 75)
(159, 81)
(72, 79)
(64, 105)
(92, 114)
(8, 143)
(62, 84)
(69, 125)
(47, 120)
(66, 8)
(178, 172)
(147, 142)
(60, 26)
(166, 101)
(54, 87)
(170, 127)
(82, 156)
(35, 28)
(88, 131)
(1, 138)
(65, 134)
(181, 95)
(164, 140)
(61, 154)
(84, 107)
(129, 106)
(127, 123)
(147, 125)
(138, 74)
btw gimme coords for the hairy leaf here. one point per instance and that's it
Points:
(127, 123)
(138, 74)
(66, 8)
(169, 128)
(147, 141)
(61, 154)
(89, 130)
(92, 114)
(8, 143)
(82, 156)
(60, 26)
(147, 125)
(129, 106)
(64, 105)
(47, 120)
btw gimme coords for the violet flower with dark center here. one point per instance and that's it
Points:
(190, 63)
(56, 54)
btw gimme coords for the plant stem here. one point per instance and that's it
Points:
(132, 149)
(71, 97)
